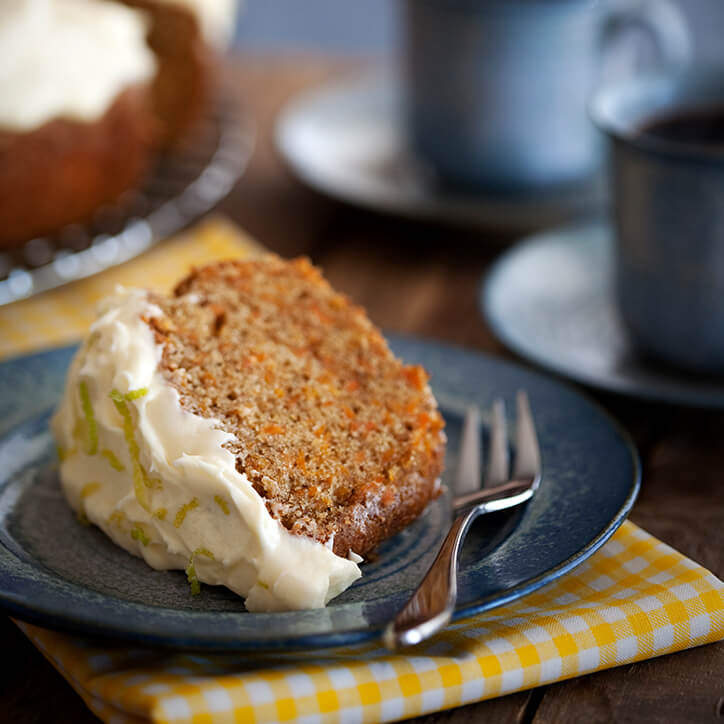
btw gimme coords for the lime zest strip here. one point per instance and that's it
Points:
(183, 510)
(191, 576)
(78, 433)
(135, 394)
(141, 479)
(117, 517)
(222, 504)
(116, 464)
(64, 453)
(129, 396)
(90, 420)
(140, 535)
(89, 489)
(139, 474)
(154, 483)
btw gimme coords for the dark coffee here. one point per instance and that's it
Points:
(694, 127)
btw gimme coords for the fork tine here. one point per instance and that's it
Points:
(497, 472)
(527, 458)
(467, 479)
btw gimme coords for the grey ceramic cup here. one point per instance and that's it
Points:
(668, 200)
(495, 91)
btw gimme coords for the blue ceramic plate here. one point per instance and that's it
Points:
(60, 574)
(550, 299)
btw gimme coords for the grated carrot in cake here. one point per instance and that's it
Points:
(342, 440)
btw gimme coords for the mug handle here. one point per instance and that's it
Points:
(661, 20)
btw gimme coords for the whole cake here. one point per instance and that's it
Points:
(186, 37)
(76, 117)
(253, 428)
(90, 92)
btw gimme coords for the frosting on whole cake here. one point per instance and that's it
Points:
(68, 59)
(159, 482)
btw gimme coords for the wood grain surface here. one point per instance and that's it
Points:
(423, 279)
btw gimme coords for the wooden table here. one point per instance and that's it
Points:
(424, 280)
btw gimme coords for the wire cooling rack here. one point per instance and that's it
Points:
(181, 187)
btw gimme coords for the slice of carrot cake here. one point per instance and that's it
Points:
(253, 428)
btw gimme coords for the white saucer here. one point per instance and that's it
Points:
(550, 299)
(346, 140)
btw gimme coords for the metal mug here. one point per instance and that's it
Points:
(495, 91)
(668, 204)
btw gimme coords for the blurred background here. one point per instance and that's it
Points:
(371, 27)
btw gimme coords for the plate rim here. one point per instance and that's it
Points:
(657, 391)
(90, 627)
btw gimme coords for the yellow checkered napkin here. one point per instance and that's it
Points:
(63, 315)
(634, 599)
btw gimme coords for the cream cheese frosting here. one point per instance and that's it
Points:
(68, 59)
(159, 482)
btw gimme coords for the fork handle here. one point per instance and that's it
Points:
(431, 606)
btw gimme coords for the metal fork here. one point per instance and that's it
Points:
(433, 603)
